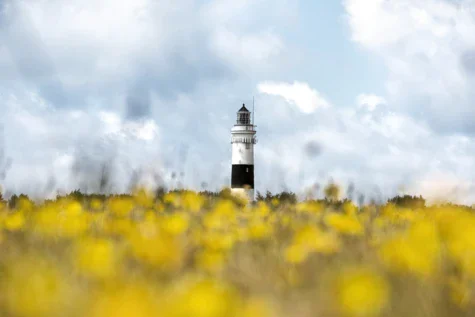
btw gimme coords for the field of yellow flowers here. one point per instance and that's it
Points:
(188, 255)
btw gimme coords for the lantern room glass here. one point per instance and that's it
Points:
(244, 118)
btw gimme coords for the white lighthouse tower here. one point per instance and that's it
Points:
(243, 141)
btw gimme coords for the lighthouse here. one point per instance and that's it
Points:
(243, 139)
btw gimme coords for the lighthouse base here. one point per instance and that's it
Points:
(244, 193)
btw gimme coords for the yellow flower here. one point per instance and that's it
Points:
(72, 208)
(144, 198)
(310, 207)
(96, 258)
(70, 222)
(121, 206)
(362, 292)
(15, 221)
(416, 251)
(73, 225)
(260, 230)
(216, 240)
(349, 208)
(460, 293)
(193, 202)
(262, 209)
(458, 230)
(345, 224)
(118, 226)
(172, 199)
(210, 261)
(34, 288)
(25, 204)
(96, 204)
(159, 250)
(317, 240)
(296, 253)
(175, 224)
(203, 298)
(257, 307)
(134, 300)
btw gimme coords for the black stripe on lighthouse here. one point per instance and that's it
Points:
(242, 176)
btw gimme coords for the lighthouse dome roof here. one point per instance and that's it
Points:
(243, 109)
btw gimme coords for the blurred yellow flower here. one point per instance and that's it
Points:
(257, 307)
(362, 292)
(144, 198)
(96, 258)
(14, 221)
(317, 240)
(460, 293)
(159, 250)
(349, 208)
(296, 253)
(458, 232)
(210, 260)
(416, 251)
(203, 298)
(175, 224)
(121, 206)
(310, 207)
(96, 204)
(216, 220)
(345, 224)
(72, 208)
(262, 209)
(193, 202)
(25, 204)
(192, 255)
(33, 287)
(260, 230)
(134, 300)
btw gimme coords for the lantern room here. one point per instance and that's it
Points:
(243, 116)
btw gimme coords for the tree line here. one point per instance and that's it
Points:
(331, 197)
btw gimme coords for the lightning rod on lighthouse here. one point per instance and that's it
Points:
(243, 139)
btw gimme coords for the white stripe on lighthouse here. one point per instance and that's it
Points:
(242, 155)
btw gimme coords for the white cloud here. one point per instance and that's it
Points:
(370, 101)
(426, 46)
(102, 81)
(113, 125)
(440, 186)
(150, 88)
(298, 94)
(247, 51)
(378, 151)
(80, 52)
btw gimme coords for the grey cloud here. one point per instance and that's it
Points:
(192, 94)
(30, 57)
(138, 104)
(350, 190)
(312, 149)
(183, 84)
(182, 66)
(5, 161)
(183, 76)
(179, 76)
(430, 75)
(93, 167)
(468, 61)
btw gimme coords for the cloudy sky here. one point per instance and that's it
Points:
(375, 95)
